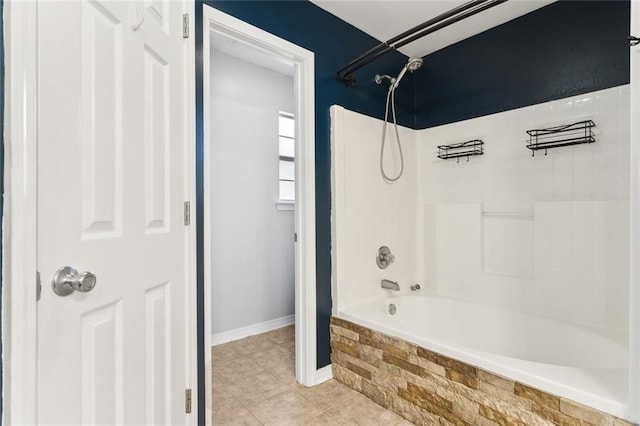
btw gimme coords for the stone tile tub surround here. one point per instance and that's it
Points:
(428, 388)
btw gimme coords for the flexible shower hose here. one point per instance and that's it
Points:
(391, 94)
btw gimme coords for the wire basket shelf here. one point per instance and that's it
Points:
(558, 136)
(463, 149)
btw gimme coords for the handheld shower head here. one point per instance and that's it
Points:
(412, 65)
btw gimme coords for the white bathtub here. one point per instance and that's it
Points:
(577, 362)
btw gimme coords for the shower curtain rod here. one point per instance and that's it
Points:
(456, 14)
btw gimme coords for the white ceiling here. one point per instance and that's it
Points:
(385, 19)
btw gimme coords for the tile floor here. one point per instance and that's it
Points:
(254, 384)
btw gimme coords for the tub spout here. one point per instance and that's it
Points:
(390, 285)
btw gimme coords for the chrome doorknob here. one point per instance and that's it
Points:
(66, 280)
(633, 41)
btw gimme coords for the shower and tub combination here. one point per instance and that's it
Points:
(522, 309)
(519, 278)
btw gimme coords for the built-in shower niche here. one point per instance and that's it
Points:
(467, 242)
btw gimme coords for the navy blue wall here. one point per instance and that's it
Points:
(561, 50)
(334, 43)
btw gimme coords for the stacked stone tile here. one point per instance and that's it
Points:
(427, 388)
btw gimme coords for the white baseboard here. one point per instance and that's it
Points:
(324, 374)
(251, 330)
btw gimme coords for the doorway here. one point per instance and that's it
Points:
(252, 185)
(244, 44)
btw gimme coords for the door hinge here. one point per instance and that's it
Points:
(38, 286)
(295, 237)
(187, 401)
(185, 25)
(187, 213)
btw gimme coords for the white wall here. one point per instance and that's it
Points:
(252, 241)
(546, 234)
(369, 211)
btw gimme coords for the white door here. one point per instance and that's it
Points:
(112, 164)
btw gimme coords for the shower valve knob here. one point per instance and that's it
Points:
(384, 258)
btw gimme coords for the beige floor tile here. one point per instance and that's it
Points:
(237, 368)
(218, 380)
(254, 384)
(327, 394)
(220, 390)
(242, 417)
(290, 346)
(285, 409)
(252, 390)
(324, 419)
(225, 406)
(282, 335)
(274, 358)
(226, 352)
(287, 376)
(360, 410)
(255, 343)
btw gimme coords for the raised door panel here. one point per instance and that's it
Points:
(101, 122)
(102, 365)
(158, 354)
(156, 140)
(158, 10)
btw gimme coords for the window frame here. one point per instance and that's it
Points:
(292, 159)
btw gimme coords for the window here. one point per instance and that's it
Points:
(287, 156)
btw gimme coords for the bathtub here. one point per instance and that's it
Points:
(585, 364)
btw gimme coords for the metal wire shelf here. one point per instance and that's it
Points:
(558, 136)
(463, 149)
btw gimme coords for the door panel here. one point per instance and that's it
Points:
(101, 121)
(158, 343)
(156, 137)
(102, 373)
(159, 10)
(111, 186)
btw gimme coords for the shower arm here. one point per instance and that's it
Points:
(457, 14)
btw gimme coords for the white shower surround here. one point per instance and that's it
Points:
(546, 236)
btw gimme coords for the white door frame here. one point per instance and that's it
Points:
(305, 267)
(634, 275)
(19, 257)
